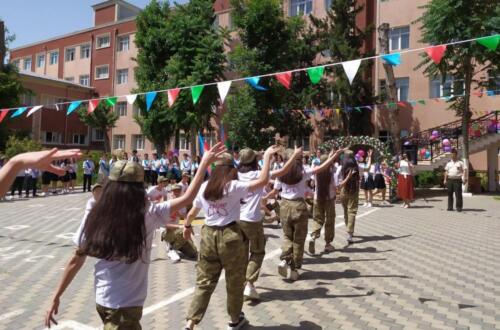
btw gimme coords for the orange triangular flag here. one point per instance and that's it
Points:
(285, 79)
(3, 113)
(172, 95)
(92, 106)
(436, 53)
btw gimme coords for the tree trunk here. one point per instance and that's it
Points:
(392, 92)
(2, 44)
(466, 114)
(107, 145)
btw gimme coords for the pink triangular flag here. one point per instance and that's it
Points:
(3, 114)
(92, 105)
(436, 53)
(33, 110)
(285, 79)
(172, 95)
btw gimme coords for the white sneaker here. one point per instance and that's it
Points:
(312, 245)
(173, 255)
(369, 205)
(294, 275)
(250, 292)
(349, 239)
(283, 269)
(241, 322)
(365, 204)
(329, 248)
(385, 203)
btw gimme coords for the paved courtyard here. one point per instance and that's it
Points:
(418, 268)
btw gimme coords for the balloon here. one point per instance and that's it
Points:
(423, 151)
(447, 149)
(427, 154)
(361, 152)
(446, 142)
(435, 133)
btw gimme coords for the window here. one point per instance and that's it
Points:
(384, 136)
(493, 84)
(184, 142)
(16, 63)
(103, 41)
(40, 61)
(300, 7)
(70, 54)
(79, 138)
(403, 87)
(122, 76)
(136, 110)
(54, 57)
(102, 72)
(121, 109)
(51, 137)
(85, 51)
(28, 99)
(138, 142)
(97, 134)
(70, 79)
(399, 38)
(27, 64)
(451, 86)
(118, 141)
(84, 80)
(123, 43)
(328, 5)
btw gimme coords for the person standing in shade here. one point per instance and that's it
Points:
(88, 170)
(103, 168)
(406, 190)
(146, 165)
(349, 179)
(186, 164)
(162, 165)
(155, 166)
(134, 157)
(32, 175)
(455, 174)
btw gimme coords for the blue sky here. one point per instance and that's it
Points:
(35, 20)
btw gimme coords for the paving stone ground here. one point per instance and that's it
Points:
(418, 268)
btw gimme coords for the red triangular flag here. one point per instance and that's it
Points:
(477, 94)
(285, 78)
(172, 95)
(3, 114)
(436, 53)
(92, 106)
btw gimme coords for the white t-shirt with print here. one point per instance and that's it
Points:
(250, 208)
(154, 194)
(225, 210)
(118, 284)
(296, 190)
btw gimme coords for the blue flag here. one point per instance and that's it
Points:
(254, 82)
(150, 97)
(19, 112)
(73, 106)
(392, 59)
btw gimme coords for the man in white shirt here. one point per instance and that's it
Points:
(158, 193)
(186, 164)
(88, 170)
(455, 174)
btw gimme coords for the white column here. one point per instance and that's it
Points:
(492, 159)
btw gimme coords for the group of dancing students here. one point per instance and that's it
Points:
(119, 226)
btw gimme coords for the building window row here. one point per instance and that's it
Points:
(399, 38)
(79, 139)
(118, 141)
(85, 51)
(40, 60)
(84, 80)
(138, 142)
(102, 72)
(27, 64)
(121, 109)
(300, 7)
(53, 57)
(123, 43)
(122, 76)
(103, 41)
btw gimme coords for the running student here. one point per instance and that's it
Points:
(118, 231)
(223, 244)
(294, 213)
(251, 216)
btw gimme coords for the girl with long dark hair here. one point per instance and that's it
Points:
(223, 244)
(349, 192)
(118, 231)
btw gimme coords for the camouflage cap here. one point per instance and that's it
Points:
(175, 187)
(225, 159)
(247, 156)
(162, 179)
(97, 185)
(125, 171)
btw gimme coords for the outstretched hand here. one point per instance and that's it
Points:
(49, 317)
(272, 150)
(211, 155)
(297, 153)
(43, 159)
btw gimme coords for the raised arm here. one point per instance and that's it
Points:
(282, 171)
(331, 158)
(208, 158)
(264, 173)
(369, 160)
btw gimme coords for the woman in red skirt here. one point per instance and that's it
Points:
(406, 190)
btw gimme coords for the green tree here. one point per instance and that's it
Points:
(17, 145)
(103, 118)
(178, 47)
(340, 39)
(447, 20)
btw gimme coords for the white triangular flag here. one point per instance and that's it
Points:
(223, 88)
(351, 68)
(131, 98)
(57, 107)
(33, 110)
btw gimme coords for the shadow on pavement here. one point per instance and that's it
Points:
(350, 249)
(421, 207)
(364, 239)
(320, 260)
(473, 210)
(348, 273)
(302, 325)
(295, 295)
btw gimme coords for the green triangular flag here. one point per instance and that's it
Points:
(196, 93)
(421, 102)
(391, 104)
(358, 109)
(112, 100)
(315, 73)
(490, 42)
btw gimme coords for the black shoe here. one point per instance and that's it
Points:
(449, 210)
(241, 322)
(459, 210)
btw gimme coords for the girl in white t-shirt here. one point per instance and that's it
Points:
(118, 231)
(223, 244)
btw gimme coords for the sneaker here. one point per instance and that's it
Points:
(385, 203)
(241, 322)
(365, 205)
(312, 245)
(369, 205)
(328, 248)
(250, 292)
(173, 255)
(349, 239)
(283, 269)
(294, 275)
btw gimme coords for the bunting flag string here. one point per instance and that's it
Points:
(19, 112)
(254, 82)
(112, 100)
(285, 79)
(131, 98)
(315, 73)
(92, 105)
(33, 110)
(436, 53)
(172, 95)
(150, 97)
(490, 42)
(393, 59)
(223, 88)
(73, 106)
(3, 114)
(196, 93)
(351, 68)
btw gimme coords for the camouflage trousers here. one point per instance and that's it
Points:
(294, 216)
(350, 205)
(220, 248)
(176, 240)
(324, 215)
(125, 318)
(254, 231)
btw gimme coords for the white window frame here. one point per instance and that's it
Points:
(51, 57)
(119, 137)
(399, 85)
(27, 58)
(99, 67)
(66, 52)
(300, 7)
(444, 90)
(79, 136)
(96, 132)
(121, 109)
(100, 37)
(121, 45)
(40, 63)
(85, 51)
(56, 137)
(84, 78)
(136, 138)
(397, 31)
(184, 143)
(121, 79)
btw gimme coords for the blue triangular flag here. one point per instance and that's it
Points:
(150, 97)
(201, 140)
(73, 106)
(254, 82)
(413, 102)
(392, 59)
(19, 112)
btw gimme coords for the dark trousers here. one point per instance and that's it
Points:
(31, 185)
(87, 182)
(154, 178)
(455, 186)
(17, 185)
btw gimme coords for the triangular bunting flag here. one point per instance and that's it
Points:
(413, 102)
(477, 94)
(285, 78)
(315, 73)
(392, 59)
(254, 82)
(3, 114)
(351, 68)
(223, 88)
(490, 42)
(172, 95)
(92, 105)
(57, 107)
(436, 53)
(421, 102)
(19, 112)
(402, 104)
(112, 101)
(33, 110)
(73, 106)
(131, 98)
(196, 93)
(150, 97)
(369, 107)
(358, 109)
(391, 104)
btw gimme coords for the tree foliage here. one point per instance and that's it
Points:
(17, 145)
(103, 118)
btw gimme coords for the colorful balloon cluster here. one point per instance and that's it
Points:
(360, 154)
(446, 145)
(425, 154)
